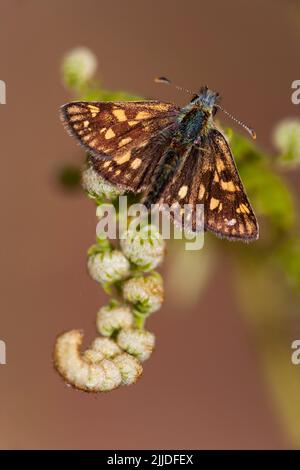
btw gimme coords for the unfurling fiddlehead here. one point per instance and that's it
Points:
(115, 358)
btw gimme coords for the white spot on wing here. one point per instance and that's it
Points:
(231, 222)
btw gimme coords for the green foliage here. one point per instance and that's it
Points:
(267, 190)
(273, 201)
(287, 139)
(288, 255)
(103, 245)
(69, 176)
(96, 93)
(269, 194)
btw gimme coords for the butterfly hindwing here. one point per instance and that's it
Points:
(209, 176)
(181, 194)
(228, 211)
(124, 138)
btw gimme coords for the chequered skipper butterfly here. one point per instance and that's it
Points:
(174, 155)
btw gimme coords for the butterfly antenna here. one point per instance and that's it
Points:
(241, 123)
(166, 81)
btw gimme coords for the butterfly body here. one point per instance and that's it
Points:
(196, 118)
(175, 156)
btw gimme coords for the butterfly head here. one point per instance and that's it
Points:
(207, 100)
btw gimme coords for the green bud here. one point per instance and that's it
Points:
(287, 140)
(145, 247)
(145, 293)
(113, 318)
(96, 186)
(79, 66)
(108, 266)
(138, 343)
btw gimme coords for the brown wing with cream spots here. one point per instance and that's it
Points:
(228, 211)
(125, 139)
(209, 176)
(112, 128)
(133, 171)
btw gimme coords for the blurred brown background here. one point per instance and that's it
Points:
(212, 394)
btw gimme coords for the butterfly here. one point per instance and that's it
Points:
(175, 156)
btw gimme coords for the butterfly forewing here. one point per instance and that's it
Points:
(124, 139)
(209, 176)
(133, 171)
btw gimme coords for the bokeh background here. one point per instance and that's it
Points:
(221, 376)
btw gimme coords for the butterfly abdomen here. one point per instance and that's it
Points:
(163, 174)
